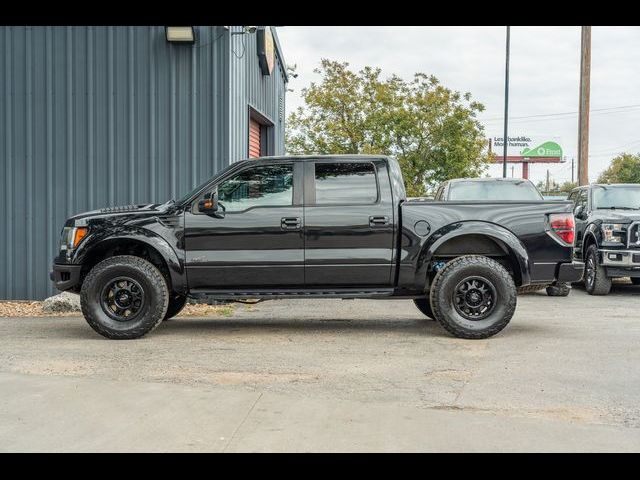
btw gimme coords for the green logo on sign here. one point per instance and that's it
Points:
(547, 149)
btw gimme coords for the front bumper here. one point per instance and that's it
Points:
(620, 258)
(570, 272)
(65, 277)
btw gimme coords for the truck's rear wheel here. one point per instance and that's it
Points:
(473, 297)
(124, 297)
(176, 304)
(595, 275)
(424, 306)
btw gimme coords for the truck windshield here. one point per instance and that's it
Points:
(193, 191)
(497, 190)
(623, 197)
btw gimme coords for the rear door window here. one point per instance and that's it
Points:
(352, 183)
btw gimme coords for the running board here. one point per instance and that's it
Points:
(307, 293)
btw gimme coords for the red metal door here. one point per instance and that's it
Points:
(254, 139)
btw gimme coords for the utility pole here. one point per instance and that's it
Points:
(506, 106)
(572, 169)
(547, 180)
(583, 123)
(512, 167)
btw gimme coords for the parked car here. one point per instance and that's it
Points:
(485, 189)
(512, 189)
(308, 227)
(607, 233)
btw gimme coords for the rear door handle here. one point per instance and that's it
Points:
(290, 223)
(378, 221)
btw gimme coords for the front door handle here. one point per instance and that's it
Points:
(378, 221)
(290, 223)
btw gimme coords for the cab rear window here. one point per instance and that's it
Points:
(524, 191)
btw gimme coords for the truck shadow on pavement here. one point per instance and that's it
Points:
(250, 326)
(617, 289)
(200, 327)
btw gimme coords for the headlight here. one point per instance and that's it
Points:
(613, 232)
(72, 236)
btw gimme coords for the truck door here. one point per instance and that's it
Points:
(349, 221)
(257, 241)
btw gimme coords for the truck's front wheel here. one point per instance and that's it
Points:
(124, 297)
(596, 281)
(473, 297)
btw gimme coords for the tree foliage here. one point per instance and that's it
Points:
(430, 129)
(555, 187)
(625, 168)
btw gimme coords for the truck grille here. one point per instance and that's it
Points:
(633, 235)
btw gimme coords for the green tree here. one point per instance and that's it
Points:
(430, 129)
(567, 186)
(625, 168)
(553, 186)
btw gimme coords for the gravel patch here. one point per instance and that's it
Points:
(28, 308)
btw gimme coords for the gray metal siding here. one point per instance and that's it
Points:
(250, 88)
(99, 116)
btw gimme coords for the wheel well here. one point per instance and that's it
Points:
(588, 241)
(124, 246)
(477, 244)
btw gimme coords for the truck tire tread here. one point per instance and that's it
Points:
(157, 310)
(473, 261)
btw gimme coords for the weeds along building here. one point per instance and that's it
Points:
(102, 116)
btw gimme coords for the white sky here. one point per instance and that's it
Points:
(544, 77)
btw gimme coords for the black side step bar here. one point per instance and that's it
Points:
(308, 293)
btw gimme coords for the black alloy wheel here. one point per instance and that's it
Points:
(122, 299)
(474, 298)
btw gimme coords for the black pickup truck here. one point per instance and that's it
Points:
(495, 189)
(303, 227)
(607, 233)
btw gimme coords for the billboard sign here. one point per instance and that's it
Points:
(528, 146)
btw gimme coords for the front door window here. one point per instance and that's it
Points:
(264, 186)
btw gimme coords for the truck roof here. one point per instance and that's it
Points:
(316, 157)
(614, 185)
(489, 179)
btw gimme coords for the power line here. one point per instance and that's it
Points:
(553, 119)
(544, 115)
(616, 149)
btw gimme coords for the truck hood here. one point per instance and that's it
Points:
(618, 216)
(118, 213)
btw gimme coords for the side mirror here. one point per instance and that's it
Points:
(209, 204)
(578, 212)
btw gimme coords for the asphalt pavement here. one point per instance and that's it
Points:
(330, 375)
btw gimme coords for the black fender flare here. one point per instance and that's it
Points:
(592, 231)
(148, 237)
(503, 236)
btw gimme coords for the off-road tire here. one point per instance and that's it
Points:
(424, 305)
(454, 273)
(635, 280)
(559, 290)
(153, 309)
(601, 284)
(176, 304)
(530, 289)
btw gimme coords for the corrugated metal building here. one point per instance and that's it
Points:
(101, 116)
